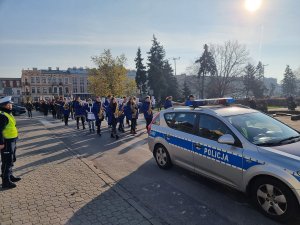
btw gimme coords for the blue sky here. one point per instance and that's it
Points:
(66, 33)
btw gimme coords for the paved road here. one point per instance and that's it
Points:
(175, 196)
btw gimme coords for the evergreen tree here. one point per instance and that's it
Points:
(249, 79)
(207, 67)
(171, 83)
(186, 90)
(156, 80)
(141, 76)
(289, 86)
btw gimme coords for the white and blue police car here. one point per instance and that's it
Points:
(235, 145)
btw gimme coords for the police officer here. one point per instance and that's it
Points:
(8, 138)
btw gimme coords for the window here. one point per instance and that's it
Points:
(60, 80)
(18, 83)
(32, 80)
(18, 92)
(212, 128)
(44, 80)
(38, 90)
(50, 90)
(74, 89)
(60, 90)
(49, 80)
(183, 121)
(54, 79)
(44, 90)
(33, 90)
(66, 80)
(81, 89)
(55, 90)
(66, 90)
(37, 80)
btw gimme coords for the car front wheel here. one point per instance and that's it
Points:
(162, 157)
(274, 199)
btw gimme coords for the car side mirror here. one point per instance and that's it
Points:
(226, 139)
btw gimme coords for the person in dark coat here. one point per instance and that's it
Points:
(99, 114)
(8, 139)
(122, 115)
(79, 108)
(53, 109)
(45, 107)
(66, 112)
(113, 108)
(106, 108)
(29, 107)
(147, 110)
(133, 108)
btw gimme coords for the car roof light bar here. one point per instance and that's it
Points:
(212, 101)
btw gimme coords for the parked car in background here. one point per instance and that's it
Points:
(18, 110)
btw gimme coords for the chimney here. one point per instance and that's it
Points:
(57, 68)
(49, 68)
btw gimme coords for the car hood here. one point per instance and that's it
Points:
(291, 150)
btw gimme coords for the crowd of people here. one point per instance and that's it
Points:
(116, 111)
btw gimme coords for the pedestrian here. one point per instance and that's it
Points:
(8, 139)
(252, 103)
(134, 114)
(114, 109)
(90, 115)
(29, 107)
(99, 114)
(147, 110)
(168, 102)
(107, 112)
(45, 108)
(190, 101)
(66, 112)
(122, 115)
(79, 108)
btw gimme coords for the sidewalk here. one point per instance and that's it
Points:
(59, 188)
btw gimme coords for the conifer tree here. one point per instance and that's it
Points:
(141, 75)
(289, 86)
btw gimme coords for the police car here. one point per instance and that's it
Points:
(235, 145)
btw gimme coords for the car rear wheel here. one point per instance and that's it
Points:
(162, 157)
(274, 199)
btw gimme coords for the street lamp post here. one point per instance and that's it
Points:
(175, 59)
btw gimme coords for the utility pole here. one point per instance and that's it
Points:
(175, 59)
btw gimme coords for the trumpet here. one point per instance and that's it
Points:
(101, 114)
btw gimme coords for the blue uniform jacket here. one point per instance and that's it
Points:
(188, 103)
(79, 109)
(168, 104)
(96, 109)
(145, 108)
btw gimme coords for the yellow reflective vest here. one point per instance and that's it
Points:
(10, 131)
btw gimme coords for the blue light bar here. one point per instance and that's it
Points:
(212, 101)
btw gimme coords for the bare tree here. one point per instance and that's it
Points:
(230, 59)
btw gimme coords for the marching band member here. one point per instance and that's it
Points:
(113, 107)
(106, 107)
(168, 102)
(90, 115)
(66, 112)
(99, 114)
(147, 110)
(122, 115)
(134, 114)
(79, 112)
(189, 101)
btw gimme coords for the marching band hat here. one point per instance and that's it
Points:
(5, 100)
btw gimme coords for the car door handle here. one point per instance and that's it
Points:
(197, 145)
(168, 136)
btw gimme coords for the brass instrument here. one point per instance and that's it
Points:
(122, 110)
(66, 106)
(116, 113)
(101, 114)
(150, 109)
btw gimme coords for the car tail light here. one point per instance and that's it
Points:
(153, 120)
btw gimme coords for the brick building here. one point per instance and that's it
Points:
(51, 83)
(11, 87)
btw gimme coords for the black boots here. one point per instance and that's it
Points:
(8, 185)
(14, 179)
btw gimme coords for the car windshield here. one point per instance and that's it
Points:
(263, 130)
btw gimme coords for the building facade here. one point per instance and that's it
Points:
(52, 83)
(11, 87)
